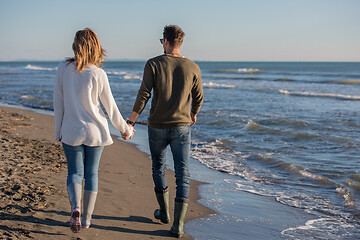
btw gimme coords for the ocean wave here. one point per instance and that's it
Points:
(240, 70)
(285, 80)
(349, 200)
(353, 185)
(230, 77)
(346, 81)
(217, 156)
(217, 85)
(292, 168)
(314, 94)
(32, 67)
(28, 98)
(116, 73)
(287, 121)
(251, 189)
(220, 123)
(256, 127)
(317, 205)
(248, 70)
(131, 76)
(323, 228)
(125, 75)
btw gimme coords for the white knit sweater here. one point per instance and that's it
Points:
(78, 115)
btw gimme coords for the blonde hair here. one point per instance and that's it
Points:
(87, 49)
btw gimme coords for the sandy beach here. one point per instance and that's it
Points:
(34, 202)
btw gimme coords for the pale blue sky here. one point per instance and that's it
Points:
(227, 30)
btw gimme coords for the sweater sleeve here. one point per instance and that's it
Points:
(144, 93)
(58, 103)
(197, 93)
(110, 106)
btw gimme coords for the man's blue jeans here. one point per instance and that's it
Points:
(179, 139)
(83, 162)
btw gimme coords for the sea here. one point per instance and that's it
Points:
(278, 142)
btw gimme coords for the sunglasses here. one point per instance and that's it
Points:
(161, 40)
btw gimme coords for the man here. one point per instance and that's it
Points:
(177, 98)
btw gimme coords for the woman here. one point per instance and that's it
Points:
(80, 123)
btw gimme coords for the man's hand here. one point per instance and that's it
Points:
(193, 119)
(133, 132)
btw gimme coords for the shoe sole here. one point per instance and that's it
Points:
(166, 221)
(176, 235)
(75, 224)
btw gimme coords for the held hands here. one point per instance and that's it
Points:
(125, 136)
(130, 123)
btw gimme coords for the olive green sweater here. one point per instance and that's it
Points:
(177, 90)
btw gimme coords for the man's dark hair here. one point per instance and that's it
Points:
(174, 35)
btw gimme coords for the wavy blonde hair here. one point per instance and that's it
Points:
(87, 49)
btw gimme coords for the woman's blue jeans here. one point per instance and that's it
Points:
(179, 139)
(83, 162)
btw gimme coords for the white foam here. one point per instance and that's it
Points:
(314, 94)
(347, 196)
(308, 225)
(115, 73)
(248, 70)
(32, 67)
(215, 85)
(216, 156)
(27, 97)
(253, 125)
(125, 75)
(312, 176)
(131, 76)
(251, 189)
(322, 228)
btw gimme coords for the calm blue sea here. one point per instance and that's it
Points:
(288, 131)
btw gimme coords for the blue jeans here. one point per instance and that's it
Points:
(83, 162)
(179, 139)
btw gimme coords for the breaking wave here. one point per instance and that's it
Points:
(217, 85)
(32, 67)
(240, 70)
(314, 94)
(125, 75)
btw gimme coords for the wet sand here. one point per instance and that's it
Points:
(33, 196)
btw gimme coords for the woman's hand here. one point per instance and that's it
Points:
(125, 136)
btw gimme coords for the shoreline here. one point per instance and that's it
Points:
(123, 211)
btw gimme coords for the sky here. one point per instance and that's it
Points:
(227, 30)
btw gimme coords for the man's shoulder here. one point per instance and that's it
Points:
(156, 59)
(191, 62)
(192, 65)
(185, 62)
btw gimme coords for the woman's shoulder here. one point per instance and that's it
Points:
(65, 64)
(62, 64)
(96, 70)
(97, 73)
